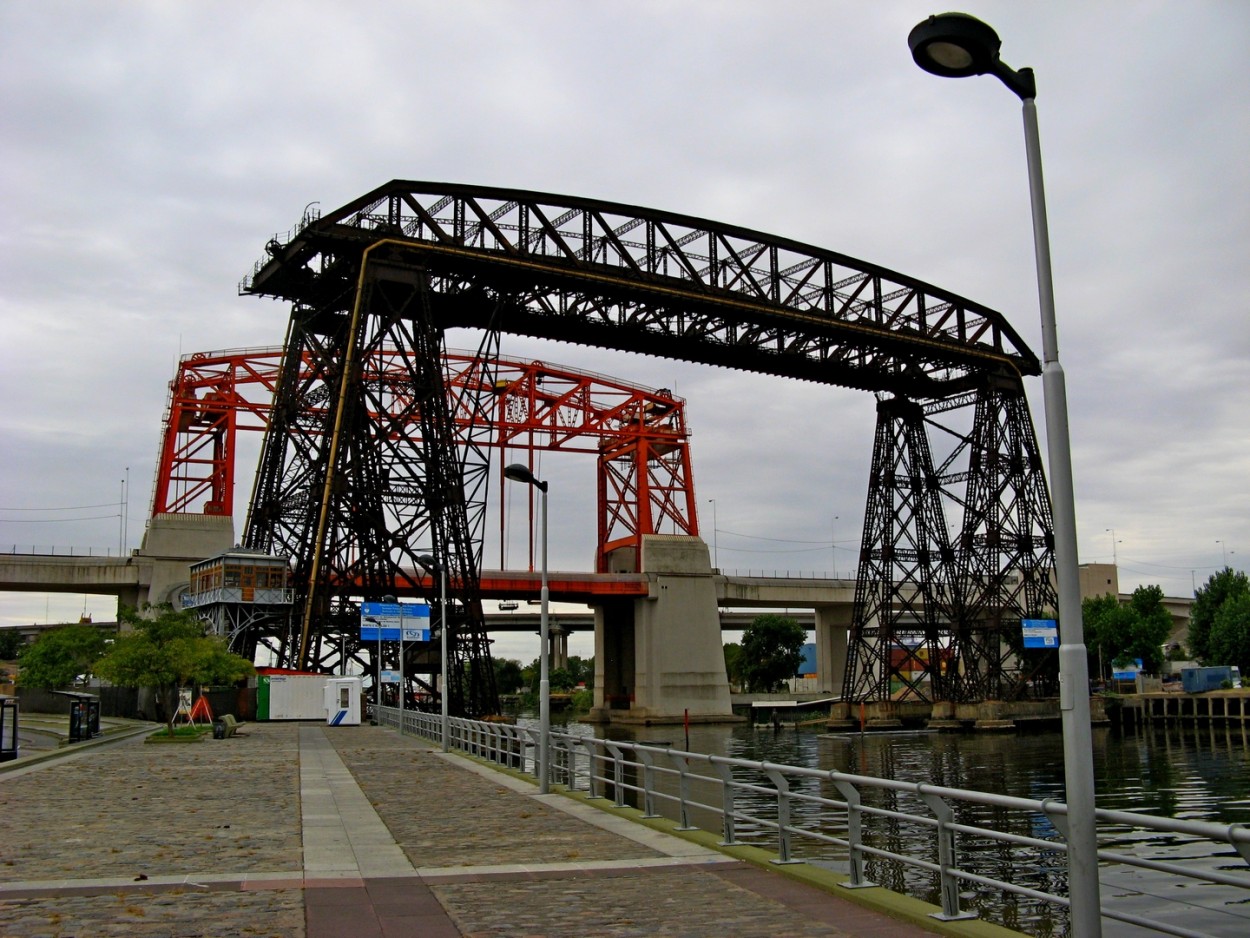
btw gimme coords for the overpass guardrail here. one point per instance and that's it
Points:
(955, 848)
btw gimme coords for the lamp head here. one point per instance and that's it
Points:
(956, 45)
(429, 563)
(519, 473)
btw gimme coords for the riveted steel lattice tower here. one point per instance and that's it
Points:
(357, 488)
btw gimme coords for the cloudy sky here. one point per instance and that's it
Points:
(148, 151)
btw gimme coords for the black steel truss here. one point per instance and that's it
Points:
(620, 276)
(357, 488)
(899, 644)
(938, 618)
(934, 619)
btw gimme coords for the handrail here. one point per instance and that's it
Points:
(802, 819)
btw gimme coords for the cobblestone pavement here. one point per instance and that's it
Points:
(278, 913)
(138, 809)
(444, 816)
(208, 839)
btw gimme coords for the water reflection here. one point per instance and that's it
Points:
(1192, 773)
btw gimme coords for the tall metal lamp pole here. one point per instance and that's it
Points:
(402, 676)
(519, 473)
(434, 568)
(955, 45)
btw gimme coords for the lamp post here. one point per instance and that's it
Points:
(955, 45)
(519, 473)
(715, 551)
(434, 568)
(392, 599)
(377, 672)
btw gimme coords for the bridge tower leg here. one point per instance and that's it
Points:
(354, 500)
(901, 612)
(1005, 554)
(661, 659)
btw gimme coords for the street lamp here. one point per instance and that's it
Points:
(402, 676)
(519, 473)
(715, 551)
(1115, 557)
(377, 672)
(955, 45)
(434, 568)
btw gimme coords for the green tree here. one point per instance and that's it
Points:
(59, 656)
(1220, 588)
(508, 677)
(733, 662)
(582, 670)
(166, 652)
(772, 650)
(1118, 634)
(561, 680)
(1229, 639)
(10, 644)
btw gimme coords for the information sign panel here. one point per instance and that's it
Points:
(1040, 633)
(387, 618)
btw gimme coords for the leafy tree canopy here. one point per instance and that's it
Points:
(59, 656)
(168, 651)
(1229, 640)
(733, 662)
(10, 644)
(772, 650)
(1222, 587)
(1118, 634)
(507, 675)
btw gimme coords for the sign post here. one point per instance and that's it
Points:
(393, 622)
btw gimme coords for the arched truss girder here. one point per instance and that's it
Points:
(620, 276)
(638, 435)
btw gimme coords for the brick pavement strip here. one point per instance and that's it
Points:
(443, 816)
(158, 810)
(187, 914)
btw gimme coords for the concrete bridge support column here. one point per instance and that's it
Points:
(665, 661)
(172, 543)
(833, 624)
(558, 639)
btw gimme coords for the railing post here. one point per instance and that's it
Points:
(854, 834)
(683, 792)
(727, 796)
(535, 741)
(593, 790)
(783, 815)
(648, 783)
(946, 859)
(618, 774)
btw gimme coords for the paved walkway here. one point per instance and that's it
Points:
(306, 830)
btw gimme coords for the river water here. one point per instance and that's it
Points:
(1198, 773)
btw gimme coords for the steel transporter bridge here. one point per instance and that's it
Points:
(376, 444)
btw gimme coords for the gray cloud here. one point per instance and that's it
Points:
(149, 151)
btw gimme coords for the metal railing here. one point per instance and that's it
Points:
(941, 844)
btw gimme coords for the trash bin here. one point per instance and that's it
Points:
(77, 729)
(219, 730)
(9, 745)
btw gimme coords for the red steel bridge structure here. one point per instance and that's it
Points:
(375, 444)
(638, 436)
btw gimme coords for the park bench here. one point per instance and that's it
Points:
(225, 726)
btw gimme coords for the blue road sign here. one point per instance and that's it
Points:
(1040, 633)
(387, 617)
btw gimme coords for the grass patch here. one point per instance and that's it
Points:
(182, 734)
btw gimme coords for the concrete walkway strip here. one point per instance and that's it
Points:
(343, 835)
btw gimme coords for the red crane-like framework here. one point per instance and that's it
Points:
(640, 436)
